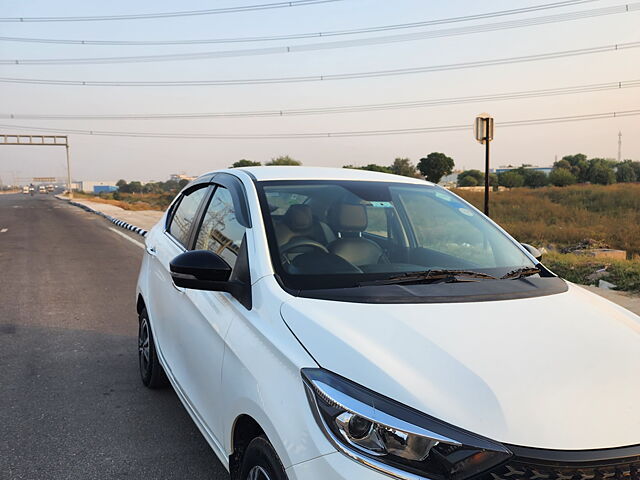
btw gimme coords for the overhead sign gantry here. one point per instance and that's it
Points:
(42, 141)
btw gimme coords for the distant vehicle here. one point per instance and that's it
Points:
(42, 189)
(328, 324)
(25, 189)
(50, 188)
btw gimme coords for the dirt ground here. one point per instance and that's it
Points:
(142, 218)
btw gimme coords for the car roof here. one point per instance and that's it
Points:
(320, 173)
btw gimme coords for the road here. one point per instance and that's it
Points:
(71, 402)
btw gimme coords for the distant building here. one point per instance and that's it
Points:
(94, 186)
(176, 177)
(507, 168)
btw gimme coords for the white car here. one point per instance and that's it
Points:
(325, 324)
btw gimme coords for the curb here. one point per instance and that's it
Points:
(120, 223)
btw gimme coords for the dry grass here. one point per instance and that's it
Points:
(132, 201)
(564, 216)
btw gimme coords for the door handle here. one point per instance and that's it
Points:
(151, 251)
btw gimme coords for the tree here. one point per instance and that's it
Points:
(467, 181)
(286, 160)
(579, 166)
(135, 187)
(404, 167)
(477, 175)
(182, 183)
(561, 177)
(601, 172)
(511, 179)
(435, 166)
(535, 179)
(636, 168)
(123, 186)
(245, 163)
(625, 172)
(562, 164)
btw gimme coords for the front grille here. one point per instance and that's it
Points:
(517, 469)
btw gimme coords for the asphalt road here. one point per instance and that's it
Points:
(71, 402)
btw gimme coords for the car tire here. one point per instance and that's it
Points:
(260, 462)
(151, 371)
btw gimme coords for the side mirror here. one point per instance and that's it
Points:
(201, 270)
(537, 254)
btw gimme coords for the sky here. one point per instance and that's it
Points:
(111, 158)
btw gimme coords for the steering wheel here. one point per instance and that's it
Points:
(302, 244)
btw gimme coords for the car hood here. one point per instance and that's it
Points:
(558, 372)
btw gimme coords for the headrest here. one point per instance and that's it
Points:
(346, 217)
(299, 218)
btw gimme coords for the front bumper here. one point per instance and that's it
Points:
(334, 466)
(611, 464)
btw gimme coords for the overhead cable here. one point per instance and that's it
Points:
(327, 77)
(298, 36)
(380, 40)
(548, 92)
(188, 13)
(339, 134)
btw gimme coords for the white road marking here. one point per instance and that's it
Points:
(141, 245)
(4, 230)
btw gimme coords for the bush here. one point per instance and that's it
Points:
(467, 181)
(561, 177)
(535, 179)
(626, 173)
(578, 269)
(566, 216)
(510, 179)
(477, 175)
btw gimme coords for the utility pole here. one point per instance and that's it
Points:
(619, 147)
(69, 172)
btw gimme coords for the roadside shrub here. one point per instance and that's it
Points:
(625, 274)
(561, 177)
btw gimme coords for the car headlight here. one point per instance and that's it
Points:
(394, 438)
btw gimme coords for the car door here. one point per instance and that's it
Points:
(205, 316)
(165, 299)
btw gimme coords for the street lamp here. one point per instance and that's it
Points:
(483, 130)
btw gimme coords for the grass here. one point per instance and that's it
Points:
(625, 274)
(132, 201)
(564, 216)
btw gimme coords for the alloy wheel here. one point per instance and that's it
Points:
(258, 473)
(143, 345)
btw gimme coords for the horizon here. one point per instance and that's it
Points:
(103, 158)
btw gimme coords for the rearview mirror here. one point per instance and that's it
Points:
(537, 254)
(201, 270)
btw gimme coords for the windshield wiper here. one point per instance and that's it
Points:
(521, 272)
(431, 276)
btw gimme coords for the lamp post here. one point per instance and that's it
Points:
(483, 130)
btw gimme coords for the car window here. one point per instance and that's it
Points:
(220, 231)
(446, 231)
(377, 222)
(184, 215)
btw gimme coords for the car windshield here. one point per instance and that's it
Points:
(329, 234)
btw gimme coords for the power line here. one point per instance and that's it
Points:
(594, 87)
(357, 133)
(297, 36)
(563, 17)
(338, 76)
(189, 13)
